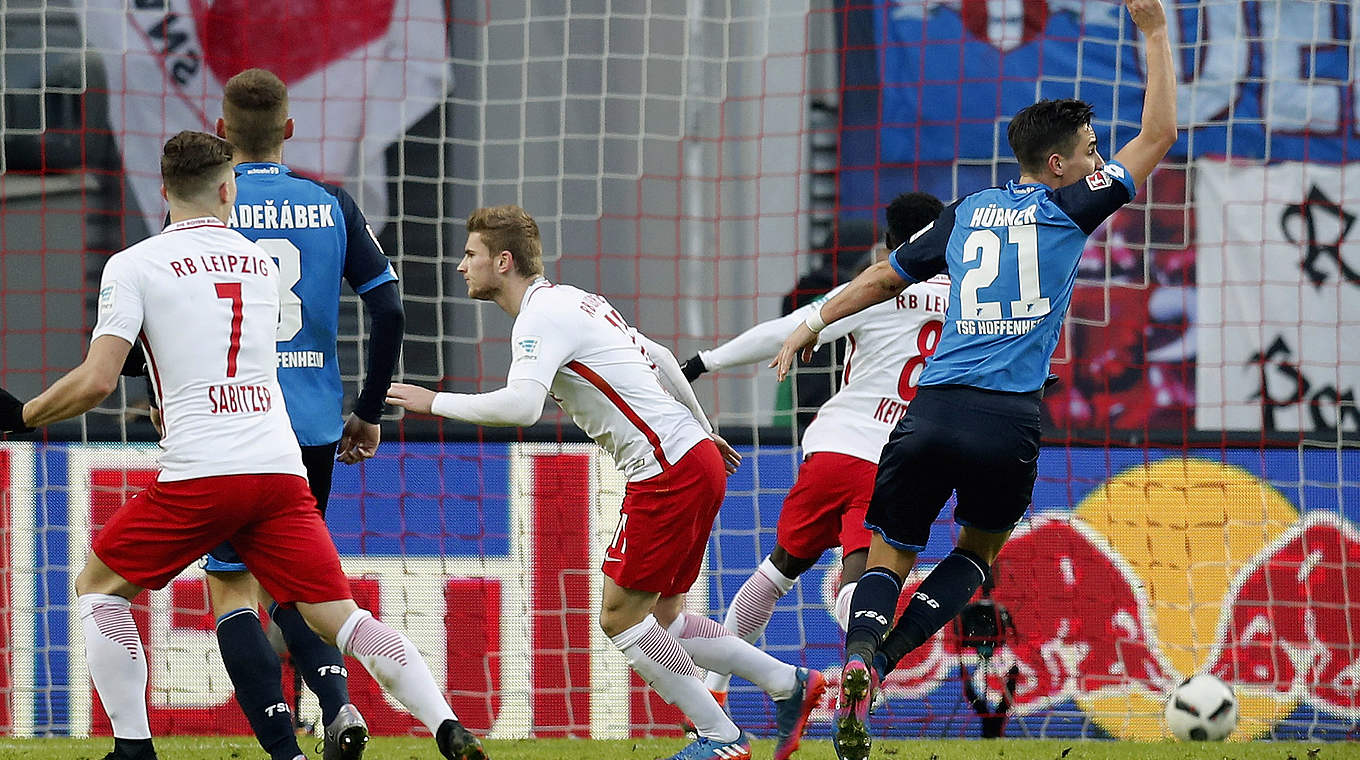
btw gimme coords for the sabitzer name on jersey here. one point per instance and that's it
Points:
(239, 399)
(285, 216)
(995, 326)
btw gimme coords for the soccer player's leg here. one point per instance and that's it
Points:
(116, 659)
(146, 543)
(251, 662)
(854, 538)
(293, 557)
(656, 553)
(911, 486)
(1006, 448)
(345, 733)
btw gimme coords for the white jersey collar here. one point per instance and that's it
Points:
(198, 221)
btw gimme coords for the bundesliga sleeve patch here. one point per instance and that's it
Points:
(526, 348)
(106, 296)
(1098, 181)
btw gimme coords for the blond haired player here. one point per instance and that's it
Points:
(622, 390)
(889, 344)
(203, 302)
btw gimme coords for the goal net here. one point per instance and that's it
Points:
(707, 166)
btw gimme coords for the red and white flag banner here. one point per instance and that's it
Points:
(359, 74)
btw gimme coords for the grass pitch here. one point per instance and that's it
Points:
(410, 748)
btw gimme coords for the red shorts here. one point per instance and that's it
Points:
(825, 507)
(272, 520)
(663, 530)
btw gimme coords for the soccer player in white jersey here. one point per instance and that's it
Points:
(202, 300)
(889, 344)
(628, 394)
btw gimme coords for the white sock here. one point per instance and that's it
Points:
(665, 666)
(843, 605)
(117, 662)
(717, 649)
(395, 663)
(751, 610)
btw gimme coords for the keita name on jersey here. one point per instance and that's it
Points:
(226, 262)
(301, 359)
(992, 215)
(285, 216)
(239, 399)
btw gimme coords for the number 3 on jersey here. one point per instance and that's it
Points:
(289, 259)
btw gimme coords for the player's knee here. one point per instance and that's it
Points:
(789, 565)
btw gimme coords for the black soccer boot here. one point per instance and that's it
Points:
(457, 743)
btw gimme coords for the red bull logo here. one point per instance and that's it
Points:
(1168, 569)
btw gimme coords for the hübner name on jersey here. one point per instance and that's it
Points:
(239, 399)
(992, 215)
(225, 262)
(301, 359)
(995, 326)
(285, 216)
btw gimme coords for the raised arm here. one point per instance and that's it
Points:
(762, 341)
(876, 284)
(1158, 133)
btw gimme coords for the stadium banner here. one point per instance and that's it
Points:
(955, 71)
(366, 76)
(1278, 276)
(487, 556)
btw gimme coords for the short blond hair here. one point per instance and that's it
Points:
(255, 109)
(510, 228)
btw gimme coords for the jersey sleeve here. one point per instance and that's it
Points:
(1092, 200)
(120, 302)
(366, 266)
(539, 346)
(923, 257)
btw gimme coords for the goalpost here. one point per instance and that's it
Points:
(1199, 489)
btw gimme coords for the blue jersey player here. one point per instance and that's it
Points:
(973, 428)
(320, 240)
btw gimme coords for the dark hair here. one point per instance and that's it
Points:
(1045, 128)
(510, 228)
(255, 109)
(908, 214)
(193, 163)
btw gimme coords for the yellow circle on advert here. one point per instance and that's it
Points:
(1187, 527)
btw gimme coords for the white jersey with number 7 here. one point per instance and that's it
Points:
(204, 302)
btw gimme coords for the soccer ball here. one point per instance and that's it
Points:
(1202, 708)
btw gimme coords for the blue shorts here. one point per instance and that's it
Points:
(984, 445)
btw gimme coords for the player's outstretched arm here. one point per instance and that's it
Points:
(874, 285)
(1158, 133)
(518, 404)
(762, 342)
(81, 389)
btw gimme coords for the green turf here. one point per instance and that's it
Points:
(386, 748)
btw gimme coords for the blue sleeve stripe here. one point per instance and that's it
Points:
(892, 259)
(387, 276)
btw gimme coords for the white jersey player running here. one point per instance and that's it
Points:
(203, 302)
(629, 394)
(889, 345)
